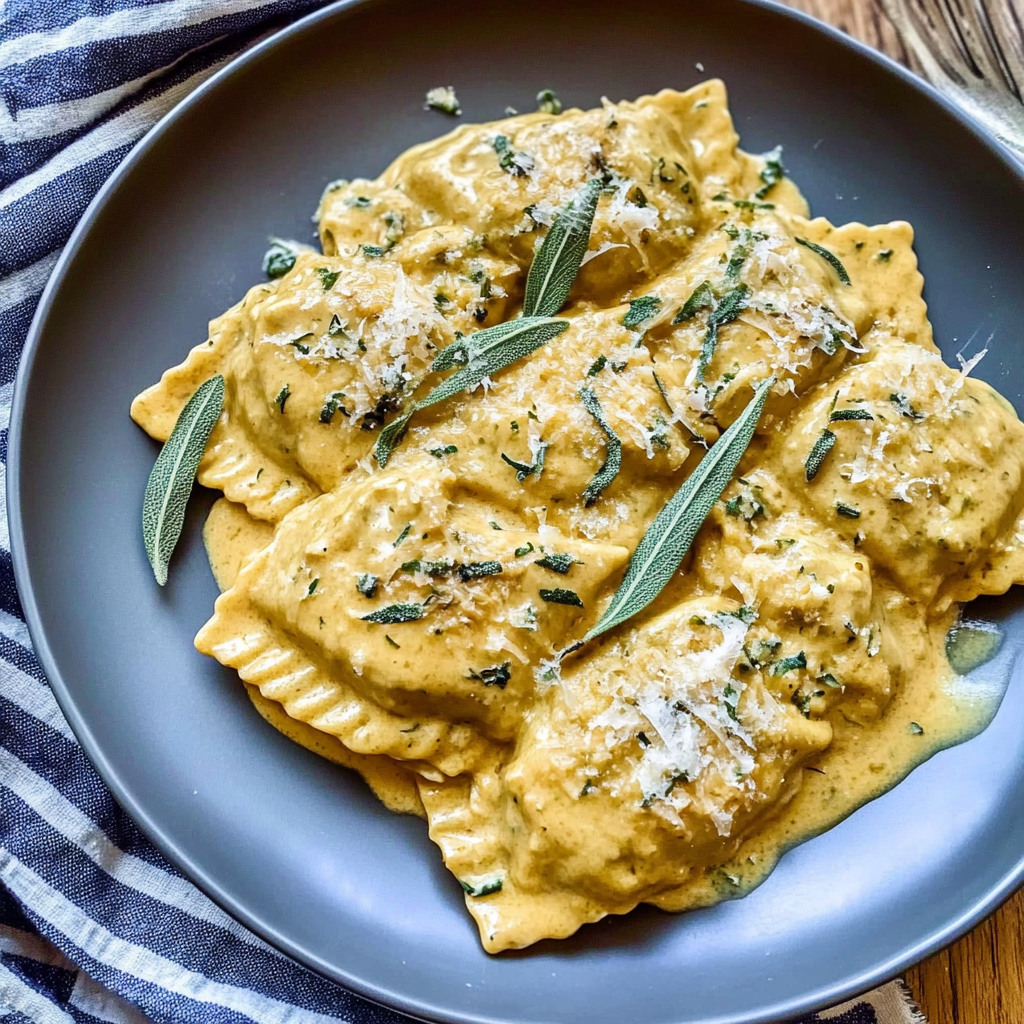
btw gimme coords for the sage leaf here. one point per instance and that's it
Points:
(613, 460)
(669, 537)
(829, 257)
(640, 310)
(560, 255)
(170, 482)
(817, 455)
(772, 173)
(701, 298)
(559, 595)
(489, 351)
(838, 415)
(393, 614)
(732, 303)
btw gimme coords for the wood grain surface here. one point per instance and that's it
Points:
(980, 979)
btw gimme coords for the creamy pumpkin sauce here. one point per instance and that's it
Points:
(794, 667)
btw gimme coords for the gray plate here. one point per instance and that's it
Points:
(298, 849)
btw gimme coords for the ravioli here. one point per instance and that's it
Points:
(416, 620)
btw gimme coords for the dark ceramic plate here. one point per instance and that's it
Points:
(298, 849)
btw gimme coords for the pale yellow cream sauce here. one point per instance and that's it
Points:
(793, 668)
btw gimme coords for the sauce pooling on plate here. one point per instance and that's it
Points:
(401, 615)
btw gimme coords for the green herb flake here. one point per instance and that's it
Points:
(522, 469)
(642, 739)
(298, 343)
(728, 309)
(559, 595)
(279, 259)
(372, 251)
(495, 526)
(497, 675)
(597, 366)
(784, 542)
(486, 889)
(327, 277)
(443, 98)
(515, 163)
(745, 505)
(394, 228)
(760, 652)
(772, 173)
(816, 458)
(791, 664)
(440, 453)
(394, 614)
(587, 787)
(557, 561)
(433, 569)
(393, 644)
(830, 680)
(332, 404)
(613, 457)
(847, 511)
(915, 729)
(405, 533)
(829, 257)
(337, 326)
(641, 310)
(312, 587)
(902, 403)
(366, 584)
(524, 551)
(170, 481)
(548, 102)
(702, 298)
(477, 570)
(668, 538)
(282, 397)
(840, 415)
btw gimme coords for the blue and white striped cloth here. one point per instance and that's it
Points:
(95, 925)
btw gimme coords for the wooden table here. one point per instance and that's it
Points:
(980, 979)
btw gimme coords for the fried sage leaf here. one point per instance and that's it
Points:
(829, 257)
(489, 351)
(170, 482)
(613, 460)
(558, 259)
(669, 537)
(816, 458)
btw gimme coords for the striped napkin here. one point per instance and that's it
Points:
(95, 925)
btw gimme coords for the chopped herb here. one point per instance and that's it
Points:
(394, 614)
(730, 697)
(559, 562)
(366, 584)
(772, 173)
(597, 366)
(405, 533)
(482, 890)
(802, 699)
(784, 665)
(479, 277)
(747, 204)
(885, 255)
(915, 729)
(829, 257)
(728, 309)
(515, 426)
(613, 458)
(522, 469)
(746, 505)
(847, 511)
(278, 259)
(559, 595)
(394, 224)
(497, 675)
(784, 542)
(761, 652)
(440, 567)
(440, 453)
(641, 310)
(902, 403)
(282, 397)
(516, 164)
(332, 403)
(494, 525)
(312, 587)
(830, 680)
(849, 414)
(327, 277)
(372, 251)
(522, 552)
(297, 343)
(359, 202)
(587, 787)
(530, 414)
(393, 644)
(477, 570)
(337, 326)
(548, 102)
(642, 739)
(817, 456)
(702, 298)
(443, 98)
(441, 300)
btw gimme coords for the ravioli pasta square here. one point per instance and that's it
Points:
(417, 577)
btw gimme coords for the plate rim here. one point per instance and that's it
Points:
(844, 989)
